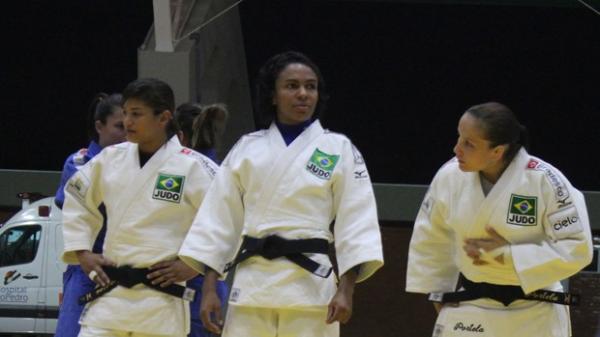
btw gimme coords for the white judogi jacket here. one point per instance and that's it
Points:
(532, 205)
(265, 187)
(149, 211)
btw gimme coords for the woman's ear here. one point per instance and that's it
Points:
(499, 151)
(166, 116)
(98, 125)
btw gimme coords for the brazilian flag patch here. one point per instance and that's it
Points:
(522, 210)
(168, 187)
(322, 164)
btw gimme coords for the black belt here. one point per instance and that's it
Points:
(274, 246)
(128, 277)
(505, 294)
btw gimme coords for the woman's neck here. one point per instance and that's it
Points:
(493, 174)
(291, 132)
(152, 146)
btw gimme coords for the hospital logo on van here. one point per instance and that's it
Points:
(11, 276)
(322, 164)
(522, 210)
(168, 187)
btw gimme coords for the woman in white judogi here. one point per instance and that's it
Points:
(151, 187)
(282, 187)
(509, 223)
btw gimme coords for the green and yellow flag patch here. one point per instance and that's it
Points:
(322, 164)
(168, 187)
(522, 210)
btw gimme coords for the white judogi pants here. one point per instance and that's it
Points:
(90, 331)
(531, 318)
(268, 322)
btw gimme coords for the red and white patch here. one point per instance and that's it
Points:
(186, 151)
(532, 164)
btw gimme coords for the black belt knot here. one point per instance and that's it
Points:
(273, 246)
(129, 277)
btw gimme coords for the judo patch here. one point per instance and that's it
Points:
(235, 295)
(322, 164)
(78, 186)
(358, 158)
(168, 187)
(427, 204)
(565, 222)
(522, 210)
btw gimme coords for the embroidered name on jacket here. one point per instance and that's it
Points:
(322, 164)
(522, 210)
(168, 187)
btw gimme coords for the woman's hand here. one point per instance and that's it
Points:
(340, 307)
(166, 273)
(210, 307)
(475, 248)
(92, 263)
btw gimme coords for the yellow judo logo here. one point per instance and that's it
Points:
(168, 187)
(322, 164)
(522, 210)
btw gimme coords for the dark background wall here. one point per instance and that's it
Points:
(55, 56)
(400, 74)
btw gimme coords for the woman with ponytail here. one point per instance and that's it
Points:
(502, 226)
(200, 129)
(105, 128)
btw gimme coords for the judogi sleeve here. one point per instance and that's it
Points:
(202, 176)
(356, 229)
(81, 218)
(216, 231)
(431, 257)
(568, 244)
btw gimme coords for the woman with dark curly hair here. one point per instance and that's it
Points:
(274, 198)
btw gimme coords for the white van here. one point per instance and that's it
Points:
(30, 270)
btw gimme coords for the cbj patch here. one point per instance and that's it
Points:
(522, 210)
(168, 187)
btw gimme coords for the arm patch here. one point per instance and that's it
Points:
(565, 222)
(561, 191)
(427, 204)
(78, 186)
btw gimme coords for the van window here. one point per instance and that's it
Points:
(19, 245)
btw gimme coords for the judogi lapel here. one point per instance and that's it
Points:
(140, 178)
(284, 158)
(495, 198)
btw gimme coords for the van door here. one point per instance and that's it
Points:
(52, 282)
(21, 259)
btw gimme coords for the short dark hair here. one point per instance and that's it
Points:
(102, 106)
(501, 127)
(265, 112)
(155, 93)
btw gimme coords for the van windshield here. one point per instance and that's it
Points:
(19, 245)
